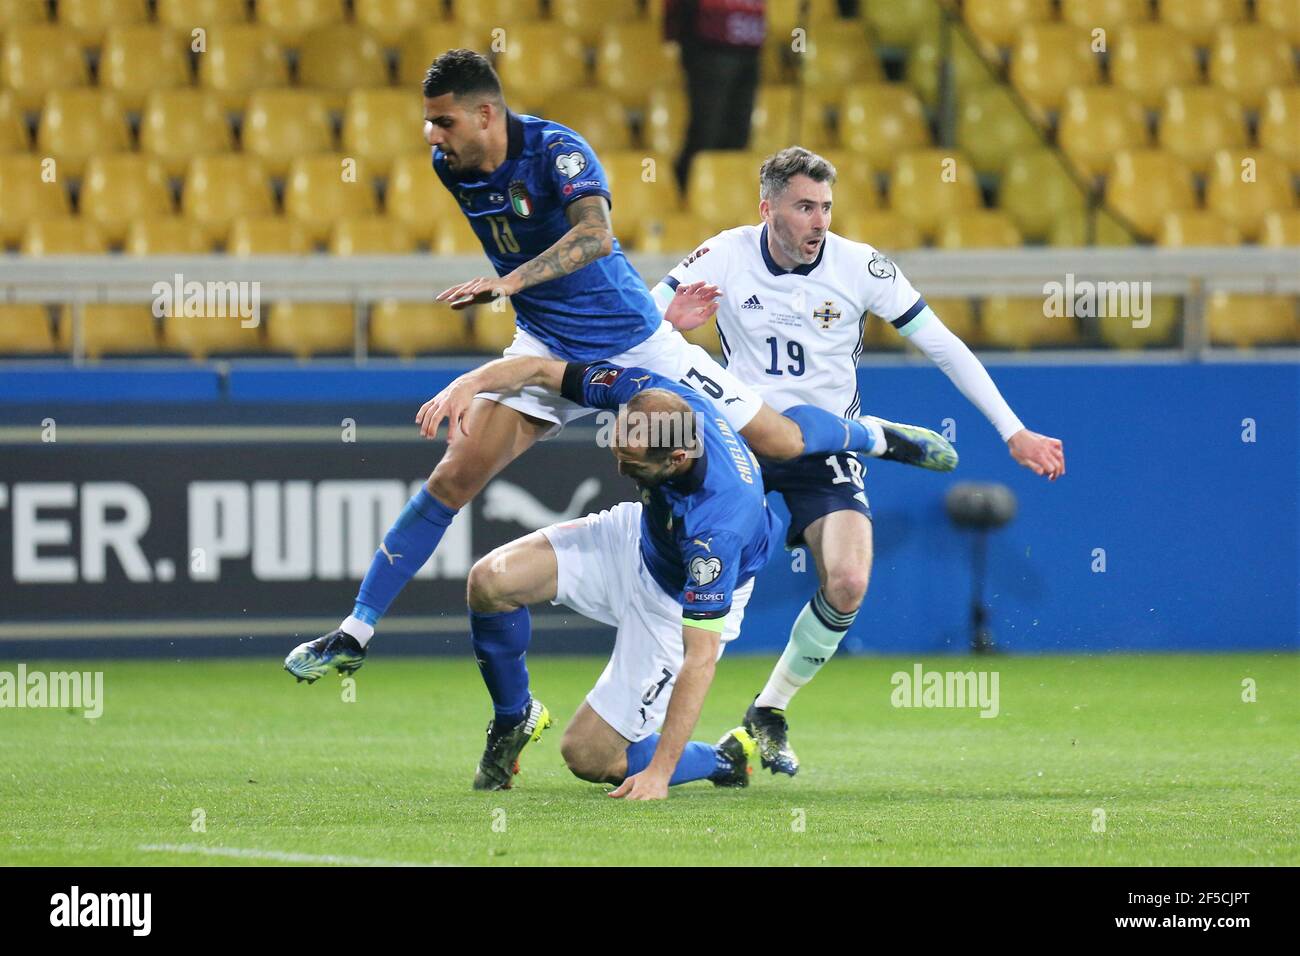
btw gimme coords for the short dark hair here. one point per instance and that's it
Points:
(779, 168)
(462, 73)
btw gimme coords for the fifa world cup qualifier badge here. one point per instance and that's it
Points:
(520, 201)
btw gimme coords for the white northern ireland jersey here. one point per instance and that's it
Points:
(796, 336)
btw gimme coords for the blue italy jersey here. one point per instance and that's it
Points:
(707, 531)
(518, 212)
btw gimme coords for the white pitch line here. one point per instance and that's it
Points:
(280, 856)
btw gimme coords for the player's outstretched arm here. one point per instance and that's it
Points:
(590, 236)
(501, 375)
(684, 706)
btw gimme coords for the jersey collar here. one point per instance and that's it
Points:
(514, 135)
(776, 270)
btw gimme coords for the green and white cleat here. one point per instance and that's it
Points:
(914, 445)
(500, 761)
(337, 650)
(737, 749)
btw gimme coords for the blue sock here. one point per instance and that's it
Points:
(409, 543)
(699, 761)
(824, 433)
(500, 640)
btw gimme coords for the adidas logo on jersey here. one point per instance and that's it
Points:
(752, 303)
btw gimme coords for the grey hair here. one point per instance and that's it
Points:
(779, 168)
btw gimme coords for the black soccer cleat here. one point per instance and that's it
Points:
(914, 445)
(770, 731)
(735, 750)
(313, 660)
(500, 761)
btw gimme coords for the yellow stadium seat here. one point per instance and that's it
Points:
(304, 329)
(995, 22)
(1149, 59)
(69, 236)
(178, 125)
(881, 228)
(586, 18)
(957, 314)
(836, 55)
(775, 60)
(495, 13)
(340, 58)
(494, 329)
(138, 59)
(1048, 59)
(281, 125)
(1144, 184)
(723, 187)
(1279, 124)
(417, 198)
(168, 236)
(540, 60)
(880, 120)
(901, 23)
(19, 12)
(1245, 321)
(1011, 323)
(642, 189)
(967, 66)
(1249, 59)
(111, 329)
(267, 236)
(422, 44)
(1161, 326)
(678, 233)
(241, 58)
(666, 116)
(28, 194)
(929, 185)
(1283, 16)
(1196, 227)
(37, 58)
(91, 19)
(393, 20)
(632, 59)
(1104, 14)
(706, 337)
(454, 237)
(595, 115)
(1097, 122)
(1245, 185)
(13, 129)
(203, 335)
(119, 188)
(321, 189)
(370, 236)
(991, 128)
(1036, 189)
(1281, 228)
(77, 124)
(783, 16)
(1200, 18)
(408, 329)
(784, 116)
(290, 20)
(979, 229)
(188, 15)
(1097, 227)
(26, 330)
(1198, 121)
(220, 189)
(381, 124)
(856, 188)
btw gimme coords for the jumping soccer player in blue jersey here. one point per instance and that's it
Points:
(536, 196)
(671, 572)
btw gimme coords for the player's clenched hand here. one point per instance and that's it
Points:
(477, 291)
(693, 305)
(645, 785)
(1039, 453)
(450, 405)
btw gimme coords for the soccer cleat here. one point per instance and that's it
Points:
(736, 749)
(768, 726)
(914, 445)
(500, 760)
(337, 649)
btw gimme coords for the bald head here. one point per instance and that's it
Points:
(656, 436)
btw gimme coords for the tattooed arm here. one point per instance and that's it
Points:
(590, 236)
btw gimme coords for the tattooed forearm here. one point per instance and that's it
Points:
(590, 238)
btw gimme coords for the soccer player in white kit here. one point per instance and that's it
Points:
(791, 299)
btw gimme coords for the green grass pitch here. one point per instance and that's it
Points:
(1185, 771)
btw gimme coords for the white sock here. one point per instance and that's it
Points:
(877, 435)
(811, 644)
(358, 628)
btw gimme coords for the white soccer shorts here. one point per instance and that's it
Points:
(601, 576)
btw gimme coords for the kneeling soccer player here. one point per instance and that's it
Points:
(671, 572)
